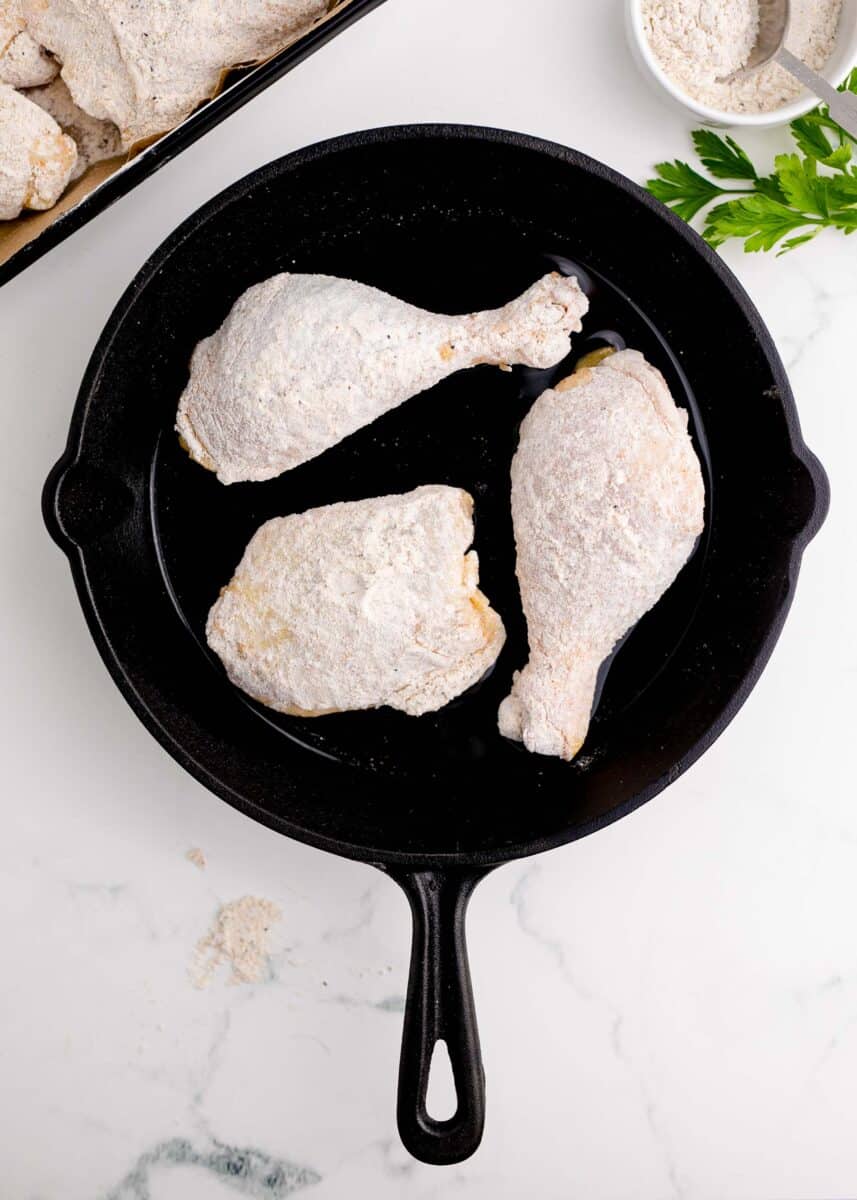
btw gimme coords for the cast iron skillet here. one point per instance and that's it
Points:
(451, 218)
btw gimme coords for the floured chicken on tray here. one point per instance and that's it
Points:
(130, 70)
(94, 139)
(23, 62)
(607, 504)
(302, 361)
(358, 605)
(36, 158)
(145, 65)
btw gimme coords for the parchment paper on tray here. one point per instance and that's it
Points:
(19, 232)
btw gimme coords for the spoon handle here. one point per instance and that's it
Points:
(842, 105)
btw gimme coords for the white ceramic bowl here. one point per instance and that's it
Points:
(843, 59)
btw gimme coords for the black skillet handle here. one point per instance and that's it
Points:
(440, 1007)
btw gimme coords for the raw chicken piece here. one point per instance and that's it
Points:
(145, 65)
(607, 502)
(302, 361)
(36, 158)
(23, 62)
(95, 140)
(359, 604)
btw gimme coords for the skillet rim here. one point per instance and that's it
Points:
(379, 136)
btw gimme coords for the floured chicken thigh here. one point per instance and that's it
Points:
(357, 605)
(36, 158)
(145, 65)
(302, 361)
(95, 140)
(607, 502)
(23, 62)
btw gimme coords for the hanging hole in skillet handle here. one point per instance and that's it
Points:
(440, 1009)
(441, 1097)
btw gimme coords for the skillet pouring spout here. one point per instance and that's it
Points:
(818, 504)
(81, 502)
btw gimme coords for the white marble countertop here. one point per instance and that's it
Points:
(668, 1009)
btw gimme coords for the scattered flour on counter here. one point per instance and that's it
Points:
(238, 938)
(698, 42)
(197, 857)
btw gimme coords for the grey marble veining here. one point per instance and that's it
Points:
(248, 1172)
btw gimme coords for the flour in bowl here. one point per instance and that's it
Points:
(700, 42)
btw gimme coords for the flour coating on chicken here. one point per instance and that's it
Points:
(357, 605)
(23, 62)
(145, 65)
(36, 158)
(302, 361)
(95, 140)
(607, 503)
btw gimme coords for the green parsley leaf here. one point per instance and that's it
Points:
(683, 189)
(762, 222)
(800, 240)
(809, 133)
(800, 184)
(840, 157)
(842, 191)
(723, 157)
(844, 220)
(769, 185)
(850, 84)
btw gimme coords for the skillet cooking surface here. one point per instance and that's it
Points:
(462, 432)
(452, 220)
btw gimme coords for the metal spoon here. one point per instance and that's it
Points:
(774, 17)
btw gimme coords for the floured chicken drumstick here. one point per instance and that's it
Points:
(607, 502)
(357, 605)
(302, 361)
(145, 65)
(23, 62)
(36, 158)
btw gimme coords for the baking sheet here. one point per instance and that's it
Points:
(29, 236)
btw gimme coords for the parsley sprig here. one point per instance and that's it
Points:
(812, 189)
